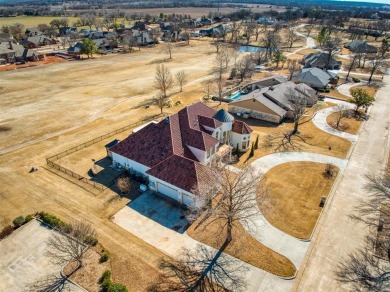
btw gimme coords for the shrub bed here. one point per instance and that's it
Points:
(108, 286)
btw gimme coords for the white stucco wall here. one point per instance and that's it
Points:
(128, 163)
(239, 138)
(185, 197)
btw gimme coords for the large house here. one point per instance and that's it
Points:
(20, 53)
(359, 46)
(7, 55)
(320, 60)
(272, 103)
(315, 78)
(173, 154)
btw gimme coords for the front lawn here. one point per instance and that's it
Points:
(295, 190)
(243, 247)
(349, 124)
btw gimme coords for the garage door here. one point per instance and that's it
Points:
(168, 191)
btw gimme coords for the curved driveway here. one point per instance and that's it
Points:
(287, 245)
(319, 120)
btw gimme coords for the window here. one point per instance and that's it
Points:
(247, 144)
(208, 153)
(213, 150)
(243, 146)
(217, 136)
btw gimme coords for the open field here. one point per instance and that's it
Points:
(31, 21)
(67, 104)
(24, 261)
(293, 202)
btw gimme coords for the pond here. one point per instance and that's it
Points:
(251, 49)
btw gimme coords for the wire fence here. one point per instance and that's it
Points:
(50, 160)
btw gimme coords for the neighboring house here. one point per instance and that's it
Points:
(320, 60)
(266, 20)
(143, 38)
(22, 53)
(32, 31)
(216, 31)
(66, 30)
(173, 154)
(7, 55)
(102, 44)
(359, 46)
(271, 104)
(316, 78)
(37, 41)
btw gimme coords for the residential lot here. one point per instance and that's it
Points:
(24, 262)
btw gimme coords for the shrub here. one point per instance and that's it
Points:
(356, 80)
(28, 218)
(91, 240)
(117, 287)
(329, 171)
(7, 230)
(19, 221)
(104, 257)
(54, 221)
(123, 184)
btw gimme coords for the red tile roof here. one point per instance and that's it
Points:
(241, 128)
(188, 175)
(164, 147)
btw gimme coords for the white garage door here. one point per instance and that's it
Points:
(187, 200)
(168, 191)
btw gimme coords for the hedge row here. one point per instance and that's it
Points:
(16, 223)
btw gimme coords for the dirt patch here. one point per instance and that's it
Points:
(46, 61)
(293, 203)
(88, 276)
(243, 246)
(349, 124)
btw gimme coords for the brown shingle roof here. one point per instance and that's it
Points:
(181, 172)
(241, 128)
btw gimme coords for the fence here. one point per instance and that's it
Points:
(50, 161)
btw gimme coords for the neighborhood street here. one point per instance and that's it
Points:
(337, 235)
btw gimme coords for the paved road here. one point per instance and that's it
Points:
(320, 120)
(310, 42)
(261, 229)
(337, 235)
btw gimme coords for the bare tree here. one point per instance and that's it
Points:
(228, 53)
(235, 31)
(259, 57)
(292, 66)
(163, 79)
(376, 63)
(66, 248)
(249, 30)
(340, 114)
(291, 37)
(217, 44)
(181, 77)
(208, 88)
(330, 46)
(271, 42)
(351, 64)
(200, 270)
(237, 194)
(168, 46)
(244, 68)
(219, 70)
(368, 268)
(123, 184)
(308, 29)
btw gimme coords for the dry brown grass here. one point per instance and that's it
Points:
(335, 94)
(317, 141)
(371, 89)
(293, 202)
(348, 124)
(306, 52)
(243, 246)
(88, 276)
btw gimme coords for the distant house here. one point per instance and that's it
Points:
(173, 154)
(66, 30)
(271, 103)
(32, 31)
(37, 41)
(7, 55)
(315, 78)
(320, 60)
(22, 53)
(359, 46)
(143, 38)
(266, 20)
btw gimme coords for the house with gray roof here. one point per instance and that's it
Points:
(320, 60)
(7, 55)
(22, 53)
(315, 78)
(37, 41)
(272, 103)
(359, 46)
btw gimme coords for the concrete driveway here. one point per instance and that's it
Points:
(163, 211)
(23, 260)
